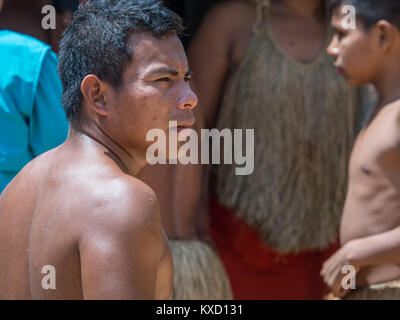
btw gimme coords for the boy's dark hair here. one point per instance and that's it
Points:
(96, 43)
(369, 12)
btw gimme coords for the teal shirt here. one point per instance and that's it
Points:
(32, 119)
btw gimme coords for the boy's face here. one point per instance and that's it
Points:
(356, 51)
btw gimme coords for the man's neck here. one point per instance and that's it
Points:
(304, 8)
(130, 162)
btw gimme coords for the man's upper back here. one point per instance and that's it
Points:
(81, 217)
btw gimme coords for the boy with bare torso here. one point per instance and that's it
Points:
(80, 208)
(370, 227)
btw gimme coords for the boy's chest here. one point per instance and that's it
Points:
(372, 142)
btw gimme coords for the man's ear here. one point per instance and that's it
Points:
(94, 92)
(387, 33)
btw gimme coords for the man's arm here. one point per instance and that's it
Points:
(121, 248)
(209, 56)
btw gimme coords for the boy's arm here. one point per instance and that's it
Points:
(379, 249)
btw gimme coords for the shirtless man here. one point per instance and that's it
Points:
(370, 226)
(79, 207)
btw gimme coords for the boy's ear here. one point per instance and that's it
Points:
(94, 91)
(387, 33)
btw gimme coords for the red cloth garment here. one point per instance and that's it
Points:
(257, 272)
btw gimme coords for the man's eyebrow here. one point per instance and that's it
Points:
(164, 70)
(169, 71)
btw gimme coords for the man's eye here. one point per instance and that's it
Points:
(164, 79)
(187, 79)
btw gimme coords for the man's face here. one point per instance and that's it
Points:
(155, 90)
(355, 51)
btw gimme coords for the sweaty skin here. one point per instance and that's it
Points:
(80, 208)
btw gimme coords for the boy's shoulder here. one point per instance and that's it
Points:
(390, 115)
(383, 132)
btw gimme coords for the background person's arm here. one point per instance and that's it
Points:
(183, 189)
(209, 59)
(209, 55)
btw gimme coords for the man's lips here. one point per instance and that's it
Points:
(185, 124)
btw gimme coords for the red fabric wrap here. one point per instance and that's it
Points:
(258, 272)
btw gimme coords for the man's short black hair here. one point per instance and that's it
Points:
(96, 43)
(369, 12)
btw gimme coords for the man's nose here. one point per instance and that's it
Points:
(333, 48)
(188, 100)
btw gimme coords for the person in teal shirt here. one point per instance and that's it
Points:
(32, 119)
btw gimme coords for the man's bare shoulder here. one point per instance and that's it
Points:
(122, 201)
(121, 206)
(121, 240)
